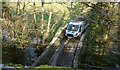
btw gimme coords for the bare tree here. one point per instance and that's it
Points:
(42, 21)
(70, 7)
(7, 15)
(17, 9)
(24, 8)
(48, 28)
(119, 34)
(36, 33)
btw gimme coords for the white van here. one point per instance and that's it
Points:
(75, 28)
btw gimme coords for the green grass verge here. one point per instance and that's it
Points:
(47, 66)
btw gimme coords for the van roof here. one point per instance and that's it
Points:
(76, 23)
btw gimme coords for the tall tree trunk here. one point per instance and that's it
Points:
(70, 6)
(119, 34)
(36, 33)
(1, 33)
(24, 8)
(9, 28)
(42, 21)
(48, 28)
(17, 9)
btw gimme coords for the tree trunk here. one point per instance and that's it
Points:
(36, 33)
(42, 21)
(48, 28)
(119, 34)
(9, 28)
(24, 8)
(70, 6)
(17, 9)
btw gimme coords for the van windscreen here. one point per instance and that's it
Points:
(72, 27)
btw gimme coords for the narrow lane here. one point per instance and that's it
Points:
(54, 58)
(67, 55)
